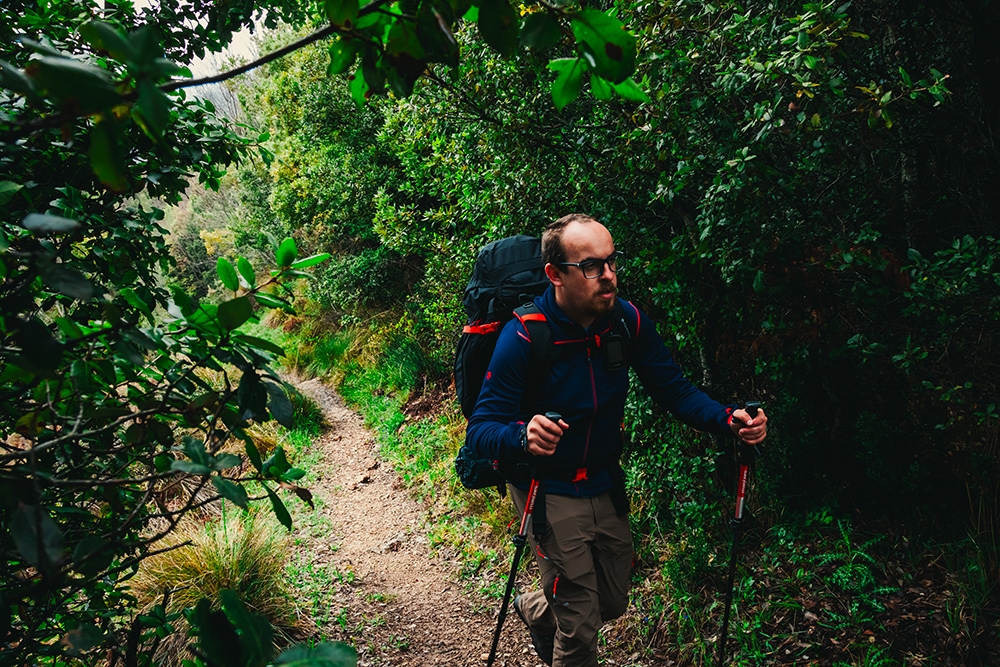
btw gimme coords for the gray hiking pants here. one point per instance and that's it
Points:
(585, 578)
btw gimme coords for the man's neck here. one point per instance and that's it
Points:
(584, 320)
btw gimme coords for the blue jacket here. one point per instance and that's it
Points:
(590, 398)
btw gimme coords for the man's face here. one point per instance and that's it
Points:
(585, 299)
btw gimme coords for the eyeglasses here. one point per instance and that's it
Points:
(594, 268)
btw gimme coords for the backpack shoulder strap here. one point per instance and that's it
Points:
(539, 333)
(540, 338)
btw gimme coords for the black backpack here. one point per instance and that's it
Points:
(508, 273)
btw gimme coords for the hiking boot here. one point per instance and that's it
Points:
(544, 643)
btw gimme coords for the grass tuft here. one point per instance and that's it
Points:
(241, 551)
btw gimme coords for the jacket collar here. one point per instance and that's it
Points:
(547, 302)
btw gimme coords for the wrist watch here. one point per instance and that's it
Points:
(524, 438)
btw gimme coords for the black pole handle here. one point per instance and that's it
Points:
(752, 408)
(554, 416)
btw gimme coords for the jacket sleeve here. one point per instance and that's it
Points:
(494, 429)
(663, 379)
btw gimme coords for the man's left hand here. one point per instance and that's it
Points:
(751, 430)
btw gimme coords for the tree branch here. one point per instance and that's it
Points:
(284, 51)
(263, 60)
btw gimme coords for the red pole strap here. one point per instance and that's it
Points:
(529, 506)
(741, 489)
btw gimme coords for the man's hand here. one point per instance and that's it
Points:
(751, 430)
(543, 435)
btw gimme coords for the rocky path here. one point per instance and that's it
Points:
(401, 606)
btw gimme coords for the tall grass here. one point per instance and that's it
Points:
(241, 551)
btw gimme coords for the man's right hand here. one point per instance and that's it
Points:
(543, 434)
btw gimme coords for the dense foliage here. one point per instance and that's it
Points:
(806, 201)
(806, 193)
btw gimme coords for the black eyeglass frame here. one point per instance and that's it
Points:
(611, 261)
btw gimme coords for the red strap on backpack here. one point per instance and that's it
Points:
(489, 327)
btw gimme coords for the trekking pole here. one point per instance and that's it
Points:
(519, 541)
(744, 453)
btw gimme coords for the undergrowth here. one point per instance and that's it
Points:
(814, 590)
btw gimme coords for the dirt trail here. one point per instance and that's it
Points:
(421, 617)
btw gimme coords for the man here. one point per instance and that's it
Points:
(585, 555)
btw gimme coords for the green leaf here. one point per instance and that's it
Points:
(78, 88)
(69, 327)
(91, 556)
(195, 449)
(630, 90)
(600, 88)
(106, 157)
(279, 508)
(253, 454)
(312, 260)
(566, 87)
(217, 638)
(286, 252)
(37, 343)
(180, 465)
(343, 53)
(139, 338)
(230, 491)
(67, 281)
(13, 79)
(280, 407)
(540, 31)
(498, 24)
(341, 12)
(133, 300)
(41, 224)
(327, 654)
(436, 37)
(358, 87)
(251, 396)
(246, 270)
(152, 111)
(166, 67)
(145, 42)
(608, 48)
(261, 344)
(31, 528)
(226, 461)
(269, 301)
(276, 464)
(7, 191)
(256, 635)
(227, 274)
(104, 37)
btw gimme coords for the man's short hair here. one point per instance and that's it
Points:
(552, 247)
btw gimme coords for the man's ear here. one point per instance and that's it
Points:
(554, 274)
